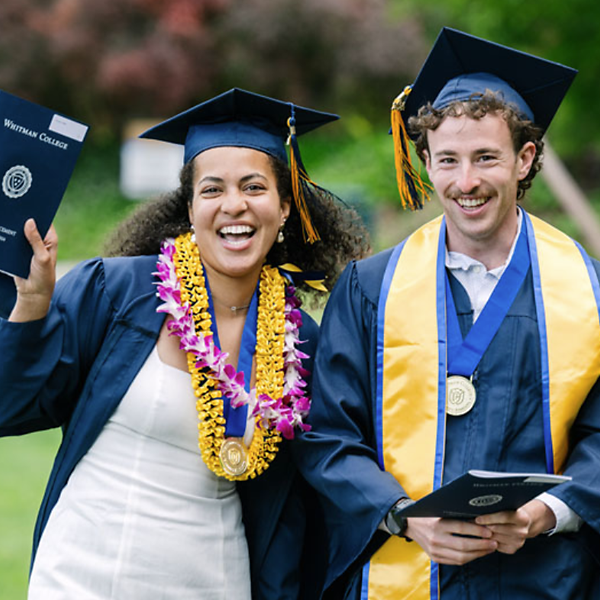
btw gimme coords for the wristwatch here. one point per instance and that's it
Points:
(394, 521)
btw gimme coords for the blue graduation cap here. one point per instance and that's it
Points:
(240, 118)
(460, 66)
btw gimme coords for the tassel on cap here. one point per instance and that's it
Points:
(413, 190)
(301, 184)
(314, 279)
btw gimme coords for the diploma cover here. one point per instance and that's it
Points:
(38, 150)
(482, 492)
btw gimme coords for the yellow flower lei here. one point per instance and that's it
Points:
(269, 361)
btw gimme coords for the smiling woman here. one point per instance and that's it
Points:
(181, 396)
(341, 231)
(236, 213)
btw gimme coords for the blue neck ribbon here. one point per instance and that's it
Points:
(464, 355)
(235, 418)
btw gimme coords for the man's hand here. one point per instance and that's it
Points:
(511, 529)
(35, 292)
(443, 539)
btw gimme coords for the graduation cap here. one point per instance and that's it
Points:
(460, 66)
(243, 119)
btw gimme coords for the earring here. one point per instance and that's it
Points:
(193, 237)
(280, 236)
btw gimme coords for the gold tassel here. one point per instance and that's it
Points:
(317, 284)
(413, 190)
(299, 179)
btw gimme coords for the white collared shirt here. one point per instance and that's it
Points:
(479, 283)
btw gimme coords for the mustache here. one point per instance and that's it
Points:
(481, 191)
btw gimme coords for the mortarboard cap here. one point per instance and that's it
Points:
(460, 65)
(240, 118)
(237, 118)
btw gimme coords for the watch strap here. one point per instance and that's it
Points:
(394, 520)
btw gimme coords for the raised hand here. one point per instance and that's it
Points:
(35, 292)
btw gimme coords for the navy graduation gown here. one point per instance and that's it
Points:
(71, 370)
(502, 432)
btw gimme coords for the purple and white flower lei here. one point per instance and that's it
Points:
(283, 413)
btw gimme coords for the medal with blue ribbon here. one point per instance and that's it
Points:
(234, 452)
(464, 355)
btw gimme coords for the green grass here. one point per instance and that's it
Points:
(25, 464)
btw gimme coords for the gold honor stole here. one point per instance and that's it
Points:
(411, 403)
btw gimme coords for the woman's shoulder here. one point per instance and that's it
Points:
(132, 274)
(135, 270)
(125, 282)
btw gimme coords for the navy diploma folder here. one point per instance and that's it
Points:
(38, 151)
(482, 492)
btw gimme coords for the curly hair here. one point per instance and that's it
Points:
(342, 232)
(522, 130)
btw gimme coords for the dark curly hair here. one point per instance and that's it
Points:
(342, 232)
(522, 130)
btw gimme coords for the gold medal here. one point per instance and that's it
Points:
(460, 395)
(234, 456)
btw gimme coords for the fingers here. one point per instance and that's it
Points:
(510, 529)
(510, 538)
(461, 552)
(451, 542)
(31, 232)
(43, 249)
(35, 293)
(509, 517)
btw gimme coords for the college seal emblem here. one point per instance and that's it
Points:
(16, 181)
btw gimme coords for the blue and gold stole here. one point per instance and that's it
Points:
(411, 416)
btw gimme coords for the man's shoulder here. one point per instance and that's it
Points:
(368, 273)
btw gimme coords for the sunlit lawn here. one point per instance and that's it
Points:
(25, 463)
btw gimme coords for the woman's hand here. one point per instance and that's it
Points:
(35, 292)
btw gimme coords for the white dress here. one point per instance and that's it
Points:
(142, 517)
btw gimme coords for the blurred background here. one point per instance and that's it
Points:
(120, 64)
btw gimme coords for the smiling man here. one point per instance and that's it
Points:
(486, 296)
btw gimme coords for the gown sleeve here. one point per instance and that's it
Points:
(338, 456)
(44, 362)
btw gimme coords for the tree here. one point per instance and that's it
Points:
(556, 30)
(103, 62)
(344, 53)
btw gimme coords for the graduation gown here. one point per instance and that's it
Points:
(503, 432)
(72, 368)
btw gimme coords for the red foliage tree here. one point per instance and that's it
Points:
(106, 61)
